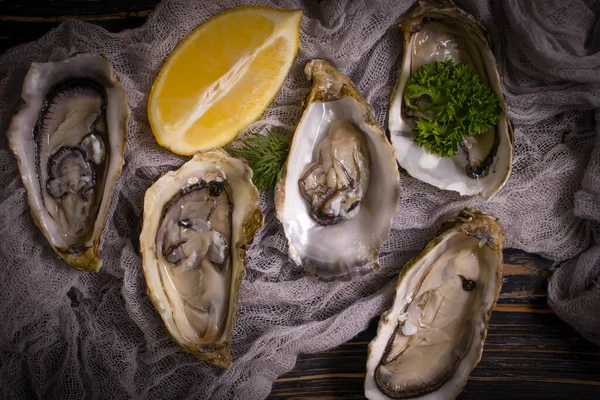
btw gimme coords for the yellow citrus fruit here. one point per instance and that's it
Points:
(222, 77)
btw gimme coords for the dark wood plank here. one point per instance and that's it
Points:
(528, 274)
(52, 9)
(20, 23)
(13, 33)
(526, 354)
(529, 351)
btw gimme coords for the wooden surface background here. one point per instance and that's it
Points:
(529, 352)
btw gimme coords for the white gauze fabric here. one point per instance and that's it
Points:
(65, 333)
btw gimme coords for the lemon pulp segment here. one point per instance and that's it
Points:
(222, 77)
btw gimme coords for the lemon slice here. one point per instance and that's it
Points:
(222, 77)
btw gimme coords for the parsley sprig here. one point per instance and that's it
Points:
(452, 102)
(265, 154)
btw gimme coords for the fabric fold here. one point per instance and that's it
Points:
(574, 288)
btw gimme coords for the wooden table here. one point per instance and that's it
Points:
(529, 352)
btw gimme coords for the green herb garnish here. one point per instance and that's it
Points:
(266, 155)
(452, 102)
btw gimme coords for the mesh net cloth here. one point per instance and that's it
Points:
(65, 333)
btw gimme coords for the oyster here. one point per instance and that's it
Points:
(197, 224)
(339, 188)
(436, 30)
(69, 138)
(336, 183)
(428, 343)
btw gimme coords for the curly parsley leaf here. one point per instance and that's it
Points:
(452, 103)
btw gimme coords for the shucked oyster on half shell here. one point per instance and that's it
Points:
(436, 30)
(69, 138)
(197, 223)
(428, 343)
(339, 187)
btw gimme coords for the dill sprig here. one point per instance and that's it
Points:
(265, 154)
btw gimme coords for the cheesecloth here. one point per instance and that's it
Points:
(65, 333)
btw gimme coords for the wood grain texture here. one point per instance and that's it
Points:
(51, 9)
(13, 33)
(22, 22)
(529, 353)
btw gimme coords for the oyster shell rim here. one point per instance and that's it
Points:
(89, 260)
(406, 23)
(324, 91)
(470, 222)
(324, 94)
(218, 354)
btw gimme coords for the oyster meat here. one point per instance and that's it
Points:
(69, 137)
(197, 223)
(428, 343)
(339, 188)
(437, 30)
(335, 185)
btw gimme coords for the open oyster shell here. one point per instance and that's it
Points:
(198, 222)
(428, 343)
(69, 138)
(436, 30)
(339, 187)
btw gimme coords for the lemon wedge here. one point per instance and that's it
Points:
(222, 77)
